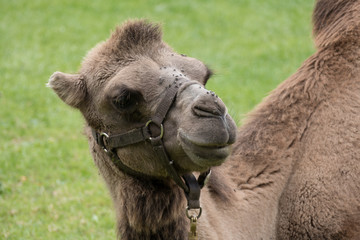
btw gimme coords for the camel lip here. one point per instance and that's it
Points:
(204, 155)
(206, 145)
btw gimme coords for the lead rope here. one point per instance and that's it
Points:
(193, 234)
(193, 200)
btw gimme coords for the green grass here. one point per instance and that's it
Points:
(49, 186)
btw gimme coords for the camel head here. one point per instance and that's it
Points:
(121, 84)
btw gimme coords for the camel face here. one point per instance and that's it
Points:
(121, 84)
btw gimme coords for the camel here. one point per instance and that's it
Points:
(291, 171)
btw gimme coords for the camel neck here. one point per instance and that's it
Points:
(145, 209)
(151, 210)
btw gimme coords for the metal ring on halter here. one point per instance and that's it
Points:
(192, 216)
(161, 129)
(102, 143)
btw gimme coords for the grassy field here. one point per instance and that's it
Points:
(49, 186)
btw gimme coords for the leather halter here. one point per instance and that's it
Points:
(110, 143)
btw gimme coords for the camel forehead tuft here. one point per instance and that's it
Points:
(129, 41)
(135, 35)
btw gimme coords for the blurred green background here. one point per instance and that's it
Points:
(49, 186)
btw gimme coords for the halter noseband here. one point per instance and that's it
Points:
(110, 143)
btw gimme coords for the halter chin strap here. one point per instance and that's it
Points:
(153, 132)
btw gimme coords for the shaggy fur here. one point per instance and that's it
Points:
(294, 172)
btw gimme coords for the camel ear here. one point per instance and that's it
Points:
(70, 88)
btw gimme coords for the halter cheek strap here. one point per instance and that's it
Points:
(153, 132)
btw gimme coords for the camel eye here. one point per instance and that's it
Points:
(127, 99)
(122, 101)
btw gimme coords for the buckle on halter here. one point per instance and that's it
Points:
(161, 130)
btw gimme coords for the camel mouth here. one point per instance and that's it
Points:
(205, 155)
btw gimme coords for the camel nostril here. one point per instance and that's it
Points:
(207, 109)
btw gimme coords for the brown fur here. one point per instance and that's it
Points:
(294, 170)
(335, 21)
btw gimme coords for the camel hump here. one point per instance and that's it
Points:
(335, 20)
